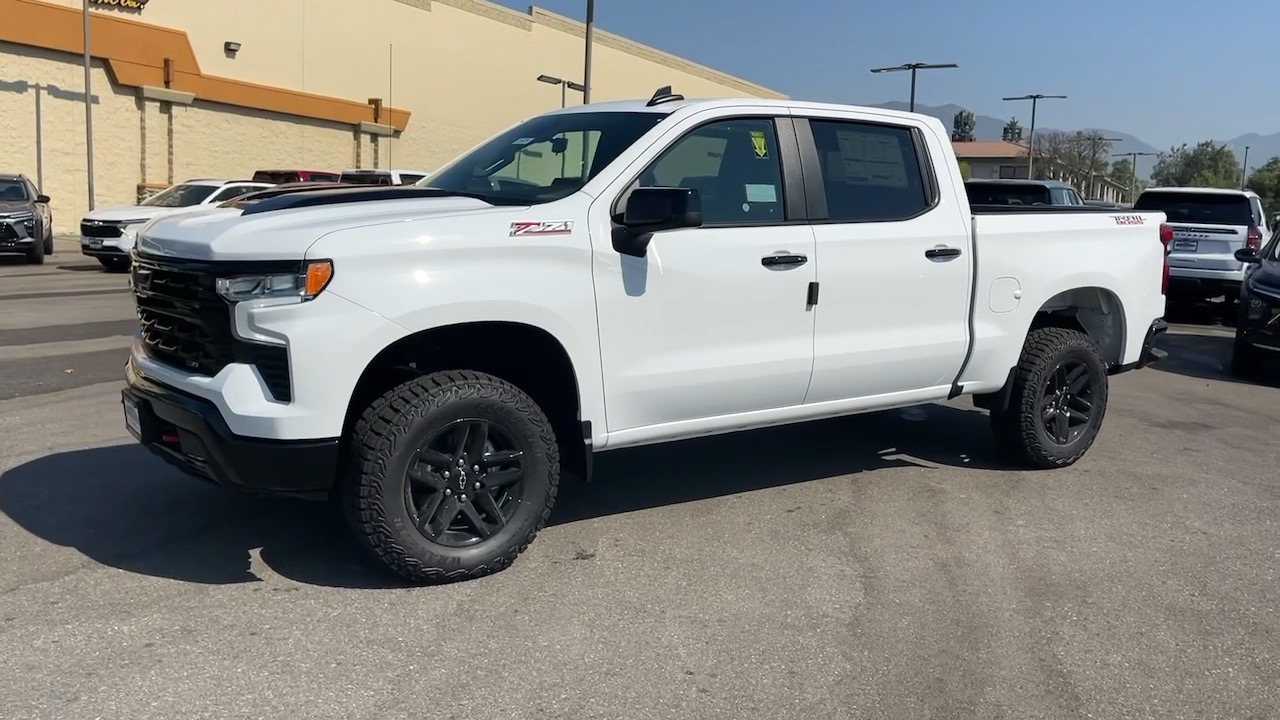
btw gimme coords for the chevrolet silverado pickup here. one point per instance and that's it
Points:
(614, 275)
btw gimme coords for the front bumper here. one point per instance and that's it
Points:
(15, 237)
(1150, 353)
(103, 247)
(190, 434)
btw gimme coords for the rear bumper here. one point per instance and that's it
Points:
(190, 434)
(1150, 353)
(1207, 283)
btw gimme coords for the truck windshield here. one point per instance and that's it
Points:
(543, 159)
(1193, 207)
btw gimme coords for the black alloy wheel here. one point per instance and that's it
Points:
(465, 482)
(1067, 402)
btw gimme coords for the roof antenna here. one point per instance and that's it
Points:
(663, 94)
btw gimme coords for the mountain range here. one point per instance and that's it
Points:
(986, 127)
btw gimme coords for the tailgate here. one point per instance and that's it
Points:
(1206, 247)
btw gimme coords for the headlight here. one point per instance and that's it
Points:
(305, 285)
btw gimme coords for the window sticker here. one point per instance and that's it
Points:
(758, 145)
(761, 193)
(523, 141)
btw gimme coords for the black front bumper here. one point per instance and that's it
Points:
(1150, 353)
(190, 434)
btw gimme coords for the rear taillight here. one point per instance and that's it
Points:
(1254, 238)
(1166, 238)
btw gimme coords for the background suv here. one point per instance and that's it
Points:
(26, 225)
(108, 233)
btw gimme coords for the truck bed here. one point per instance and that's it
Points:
(1035, 209)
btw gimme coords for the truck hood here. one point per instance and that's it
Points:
(116, 213)
(228, 234)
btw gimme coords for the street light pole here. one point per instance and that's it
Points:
(586, 59)
(913, 68)
(88, 107)
(1133, 167)
(1031, 134)
(1244, 168)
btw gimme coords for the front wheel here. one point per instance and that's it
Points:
(1058, 399)
(1245, 362)
(451, 476)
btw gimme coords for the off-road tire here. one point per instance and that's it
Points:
(1245, 361)
(114, 264)
(386, 438)
(1020, 429)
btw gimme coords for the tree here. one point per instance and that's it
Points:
(962, 126)
(1077, 159)
(1122, 172)
(1012, 131)
(1208, 164)
(1265, 180)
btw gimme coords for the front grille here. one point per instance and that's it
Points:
(100, 229)
(187, 325)
(8, 232)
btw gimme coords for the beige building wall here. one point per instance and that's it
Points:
(464, 69)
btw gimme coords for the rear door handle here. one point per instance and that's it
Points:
(942, 252)
(783, 260)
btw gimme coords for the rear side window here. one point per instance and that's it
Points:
(409, 178)
(1192, 207)
(870, 172)
(366, 178)
(275, 176)
(1007, 194)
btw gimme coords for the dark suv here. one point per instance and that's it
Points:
(26, 225)
(1258, 324)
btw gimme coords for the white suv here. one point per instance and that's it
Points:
(1209, 225)
(108, 233)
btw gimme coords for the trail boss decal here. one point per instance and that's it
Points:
(555, 227)
(1130, 220)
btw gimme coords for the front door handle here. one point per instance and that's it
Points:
(783, 260)
(942, 252)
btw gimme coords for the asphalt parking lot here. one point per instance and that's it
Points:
(882, 566)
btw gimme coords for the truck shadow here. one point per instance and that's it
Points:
(123, 508)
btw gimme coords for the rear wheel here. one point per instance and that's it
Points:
(451, 476)
(1058, 399)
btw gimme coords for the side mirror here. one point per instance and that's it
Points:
(42, 198)
(1248, 255)
(654, 209)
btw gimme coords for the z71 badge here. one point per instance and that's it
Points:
(555, 227)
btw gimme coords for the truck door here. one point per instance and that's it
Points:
(714, 320)
(894, 263)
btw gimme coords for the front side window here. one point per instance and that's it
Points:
(734, 166)
(181, 195)
(543, 159)
(871, 173)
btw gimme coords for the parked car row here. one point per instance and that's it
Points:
(108, 234)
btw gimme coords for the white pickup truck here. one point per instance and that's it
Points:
(613, 275)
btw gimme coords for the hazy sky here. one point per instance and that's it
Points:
(1168, 72)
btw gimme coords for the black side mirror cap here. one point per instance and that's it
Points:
(42, 198)
(654, 209)
(1248, 255)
